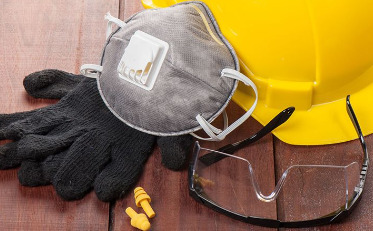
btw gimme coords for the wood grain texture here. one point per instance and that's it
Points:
(36, 35)
(128, 8)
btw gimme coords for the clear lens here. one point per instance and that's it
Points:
(302, 192)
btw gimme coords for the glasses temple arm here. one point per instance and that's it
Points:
(281, 118)
(355, 122)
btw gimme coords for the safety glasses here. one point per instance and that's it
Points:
(306, 194)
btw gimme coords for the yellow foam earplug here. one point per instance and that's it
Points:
(138, 220)
(143, 200)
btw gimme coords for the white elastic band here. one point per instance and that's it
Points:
(91, 70)
(225, 119)
(209, 128)
(216, 134)
(111, 20)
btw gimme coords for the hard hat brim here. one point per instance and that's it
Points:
(322, 124)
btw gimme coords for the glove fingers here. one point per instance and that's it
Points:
(51, 84)
(37, 173)
(115, 180)
(83, 162)
(7, 119)
(33, 146)
(122, 172)
(8, 156)
(39, 146)
(39, 123)
(174, 150)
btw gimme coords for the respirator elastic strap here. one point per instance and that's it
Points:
(91, 70)
(210, 130)
(111, 20)
(215, 133)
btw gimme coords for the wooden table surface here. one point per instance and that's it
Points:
(40, 34)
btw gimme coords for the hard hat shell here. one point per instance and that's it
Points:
(306, 54)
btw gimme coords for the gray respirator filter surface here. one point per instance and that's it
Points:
(169, 71)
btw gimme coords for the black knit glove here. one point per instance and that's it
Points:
(78, 144)
(55, 84)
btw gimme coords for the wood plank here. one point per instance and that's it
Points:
(128, 8)
(36, 35)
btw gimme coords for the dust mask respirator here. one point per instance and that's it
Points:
(169, 72)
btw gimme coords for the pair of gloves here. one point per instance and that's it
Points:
(78, 144)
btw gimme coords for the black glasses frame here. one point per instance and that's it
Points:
(336, 216)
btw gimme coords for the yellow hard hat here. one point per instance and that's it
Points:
(306, 54)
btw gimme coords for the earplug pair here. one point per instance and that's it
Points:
(139, 220)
